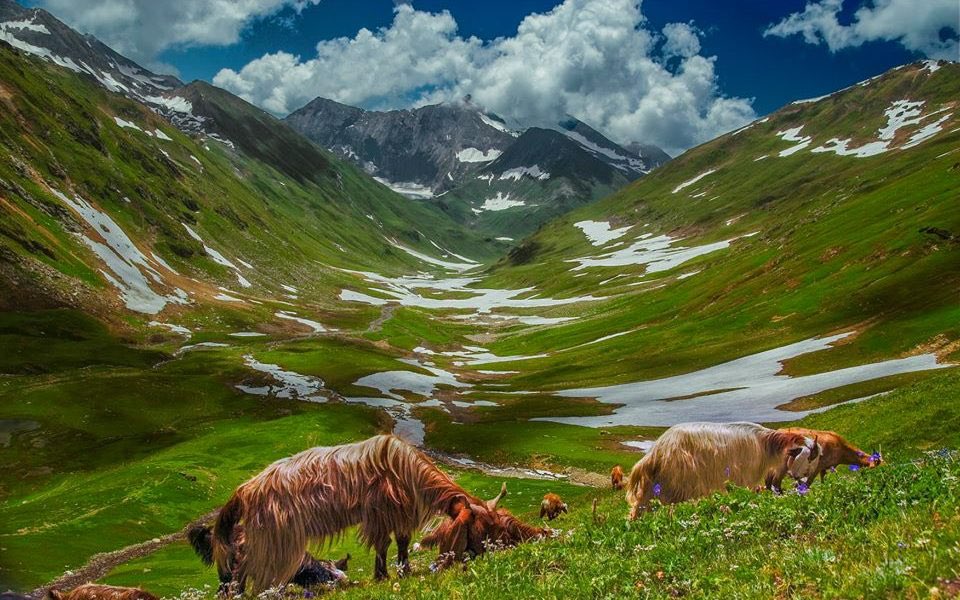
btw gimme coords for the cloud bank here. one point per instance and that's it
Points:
(593, 59)
(929, 27)
(142, 29)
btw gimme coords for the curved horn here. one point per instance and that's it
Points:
(492, 504)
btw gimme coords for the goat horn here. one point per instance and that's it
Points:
(492, 504)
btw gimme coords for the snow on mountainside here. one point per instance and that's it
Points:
(37, 32)
(470, 161)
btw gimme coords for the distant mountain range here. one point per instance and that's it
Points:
(489, 176)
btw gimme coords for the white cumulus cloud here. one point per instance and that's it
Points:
(142, 29)
(594, 59)
(929, 27)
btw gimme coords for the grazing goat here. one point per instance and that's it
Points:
(835, 451)
(691, 460)
(616, 478)
(383, 484)
(552, 506)
(312, 571)
(93, 591)
(495, 528)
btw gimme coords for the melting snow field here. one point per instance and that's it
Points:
(406, 292)
(288, 384)
(793, 135)
(217, 257)
(746, 389)
(901, 114)
(694, 180)
(452, 266)
(600, 232)
(420, 384)
(316, 327)
(500, 202)
(657, 253)
(473, 155)
(409, 189)
(497, 125)
(128, 267)
(533, 172)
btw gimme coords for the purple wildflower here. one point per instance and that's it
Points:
(802, 488)
(727, 471)
(854, 467)
(833, 469)
(308, 594)
(656, 489)
(875, 457)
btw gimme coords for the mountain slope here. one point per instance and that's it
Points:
(83, 159)
(442, 151)
(37, 32)
(432, 147)
(830, 217)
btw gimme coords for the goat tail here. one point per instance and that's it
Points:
(221, 540)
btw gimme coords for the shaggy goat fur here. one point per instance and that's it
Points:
(552, 506)
(382, 484)
(93, 591)
(835, 451)
(312, 571)
(616, 478)
(692, 460)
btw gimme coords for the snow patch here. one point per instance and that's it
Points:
(657, 253)
(694, 180)
(745, 389)
(410, 189)
(793, 135)
(453, 266)
(601, 232)
(316, 327)
(217, 257)
(289, 384)
(473, 155)
(126, 124)
(533, 172)
(497, 125)
(500, 202)
(128, 267)
(405, 291)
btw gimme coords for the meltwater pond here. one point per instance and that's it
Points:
(746, 389)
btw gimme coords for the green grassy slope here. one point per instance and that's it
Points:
(58, 131)
(841, 242)
(886, 532)
(112, 434)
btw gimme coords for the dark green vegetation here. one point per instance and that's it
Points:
(113, 432)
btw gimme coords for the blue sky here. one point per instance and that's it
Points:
(670, 73)
(773, 71)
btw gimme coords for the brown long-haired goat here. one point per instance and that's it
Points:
(552, 506)
(496, 528)
(835, 451)
(616, 478)
(382, 484)
(94, 591)
(692, 460)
